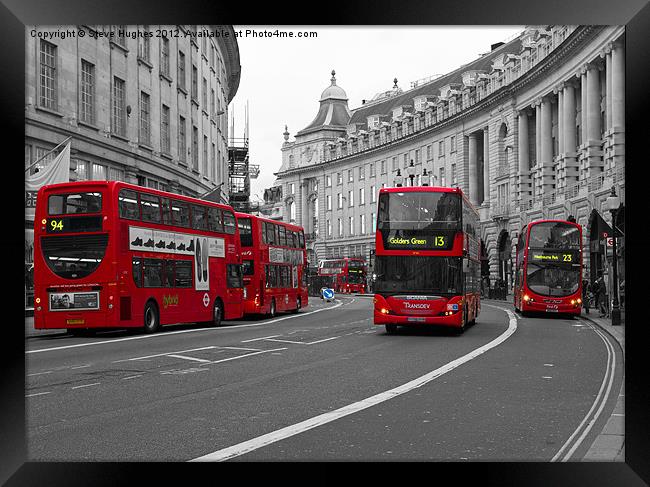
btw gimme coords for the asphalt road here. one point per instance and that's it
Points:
(325, 384)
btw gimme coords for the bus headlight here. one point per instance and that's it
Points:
(579, 301)
(37, 300)
(383, 311)
(526, 297)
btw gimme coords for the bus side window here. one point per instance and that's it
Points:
(214, 220)
(128, 203)
(181, 213)
(183, 274)
(199, 221)
(229, 222)
(150, 205)
(166, 211)
(137, 271)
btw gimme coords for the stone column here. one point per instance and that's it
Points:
(593, 105)
(486, 166)
(538, 131)
(473, 169)
(524, 165)
(546, 143)
(560, 122)
(618, 87)
(608, 81)
(583, 102)
(569, 119)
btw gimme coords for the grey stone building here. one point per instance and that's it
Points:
(532, 129)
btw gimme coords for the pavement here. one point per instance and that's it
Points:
(608, 446)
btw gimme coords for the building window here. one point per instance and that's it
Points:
(195, 81)
(182, 146)
(373, 194)
(351, 220)
(383, 167)
(115, 174)
(443, 181)
(372, 169)
(292, 188)
(119, 108)
(144, 47)
(48, 81)
(351, 198)
(441, 148)
(429, 155)
(362, 172)
(164, 130)
(350, 176)
(205, 156)
(213, 162)
(164, 56)
(205, 94)
(213, 112)
(454, 177)
(374, 222)
(452, 144)
(362, 196)
(339, 178)
(87, 92)
(145, 112)
(362, 224)
(328, 181)
(340, 222)
(328, 199)
(417, 156)
(99, 172)
(329, 227)
(339, 200)
(195, 148)
(181, 70)
(394, 164)
(120, 37)
(405, 157)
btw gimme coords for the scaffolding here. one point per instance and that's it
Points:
(240, 170)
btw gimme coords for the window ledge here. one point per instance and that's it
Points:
(49, 110)
(120, 47)
(145, 146)
(166, 77)
(119, 136)
(145, 62)
(88, 125)
(182, 90)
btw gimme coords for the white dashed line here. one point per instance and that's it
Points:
(86, 385)
(37, 394)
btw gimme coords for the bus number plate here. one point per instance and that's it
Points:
(75, 322)
(418, 320)
(551, 308)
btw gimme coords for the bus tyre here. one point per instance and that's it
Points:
(217, 312)
(272, 309)
(391, 328)
(151, 318)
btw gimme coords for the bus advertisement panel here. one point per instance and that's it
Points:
(349, 274)
(112, 254)
(427, 263)
(275, 265)
(548, 271)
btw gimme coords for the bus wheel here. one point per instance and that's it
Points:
(272, 310)
(217, 312)
(151, 318)
(391, 329)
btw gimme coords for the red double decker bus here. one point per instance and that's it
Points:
(548, 275)
(112, 254)
(274, 265)
(427, 263)
(348, 273)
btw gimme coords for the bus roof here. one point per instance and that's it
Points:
(291, 226)
(429, 189)
(75, 185)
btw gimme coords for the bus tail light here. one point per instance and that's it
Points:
(526, 297)
(257, 299)
(579, 301)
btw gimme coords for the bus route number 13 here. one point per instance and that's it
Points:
(439, 241)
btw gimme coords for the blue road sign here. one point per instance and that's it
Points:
(328, 293)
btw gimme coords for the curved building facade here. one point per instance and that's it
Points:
(533, 129)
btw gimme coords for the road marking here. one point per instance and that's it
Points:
(261, 338)
(269, 339)
(86, 385)
(131, 377)
(160, 335)
(162, 354)
(80, 366)
(39, 373)
(269, 438)
(241, 348)
(38, 394)
(189, 358)
(600, 401)
(247, 355)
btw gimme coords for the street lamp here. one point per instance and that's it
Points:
(411, 171)
(398, 179)
(611, 204)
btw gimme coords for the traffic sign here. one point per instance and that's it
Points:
(328, 294)
(206, 300)
(610, 241)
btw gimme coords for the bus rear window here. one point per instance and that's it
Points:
(73, 203)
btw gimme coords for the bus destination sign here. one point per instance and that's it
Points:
(554, 256)
(411, 242)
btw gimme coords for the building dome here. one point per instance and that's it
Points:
(333, 91)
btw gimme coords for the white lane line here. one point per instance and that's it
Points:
(321, 341)
(162, 354)
(241, 348)
(600, 401)
(37, 394)
(86, 385)
(283, 341)
(131, 377)
(80, 366)
(261, 338)
(189, 358)
(39, 373)
(269, 438)
(247, 355)
(165, 334)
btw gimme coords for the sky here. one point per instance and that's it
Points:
(282, 78)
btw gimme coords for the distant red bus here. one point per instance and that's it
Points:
(548, 275)
(112, 254)
(427, 266)
(349, 274)
(274, 265)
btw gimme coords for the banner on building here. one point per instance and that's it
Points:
(57, 171)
